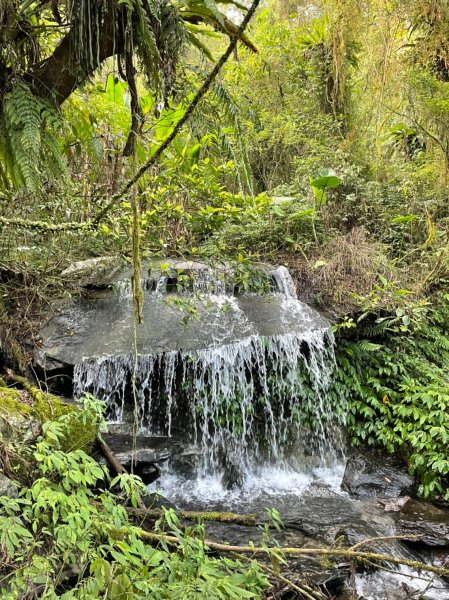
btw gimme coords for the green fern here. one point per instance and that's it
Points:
(398, 393)
(28, 142)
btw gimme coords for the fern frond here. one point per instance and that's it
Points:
(27, 140)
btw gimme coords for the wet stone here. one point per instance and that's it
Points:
(156, 501)
(376, 476)
(395, 504)
(430, 523)
(144, 453)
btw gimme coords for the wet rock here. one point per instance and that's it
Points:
(395, 504)
(335, 582)
(144, 453)
(155, 500)
(98, 272)
(376, 476)
(91, 327)
(425, 520)
(324, 518)
(185, 463)
(233, 477)
(8, 487)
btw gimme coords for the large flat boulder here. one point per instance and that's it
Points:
(187, 306)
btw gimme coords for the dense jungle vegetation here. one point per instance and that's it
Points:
(321, 143)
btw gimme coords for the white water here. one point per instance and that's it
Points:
(262, 487)
(241, 403)
(257, 406)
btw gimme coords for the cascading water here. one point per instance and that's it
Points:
(242, 403)
(243, 385)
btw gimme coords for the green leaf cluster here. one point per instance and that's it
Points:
(68, 536)
(393, 375)
(30, 149)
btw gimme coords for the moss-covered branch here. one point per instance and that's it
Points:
(43, 225)
(221, 517)
(348, 553)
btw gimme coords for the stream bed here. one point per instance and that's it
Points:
(317, 512)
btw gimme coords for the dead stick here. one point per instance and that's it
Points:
(110, 457)
(304, 589)
(386, 538)
(117, 466)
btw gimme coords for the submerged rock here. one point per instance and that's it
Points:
(373, 476)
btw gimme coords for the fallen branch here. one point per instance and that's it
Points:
(221, 517)
(118, 467)
(270, 551)
(303, 588)
(386, 538)
(110, 457)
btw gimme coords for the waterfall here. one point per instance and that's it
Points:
(241, 403)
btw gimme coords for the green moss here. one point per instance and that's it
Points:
(11, 402)
(48, 407)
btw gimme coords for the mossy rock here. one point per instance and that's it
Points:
(22, 413)
(17, 422)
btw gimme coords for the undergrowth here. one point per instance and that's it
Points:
(68, 535)
(393, 373)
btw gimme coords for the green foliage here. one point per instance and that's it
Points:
(28, 127)
(68, 536)
(396, 383)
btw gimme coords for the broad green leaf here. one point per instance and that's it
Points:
(404, 219)
(328, 180)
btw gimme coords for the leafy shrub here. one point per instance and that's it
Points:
(67, 536)
(397, 386)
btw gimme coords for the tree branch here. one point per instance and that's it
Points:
(269, 551)
(59, 75)
(221, 517)
(196, 100)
